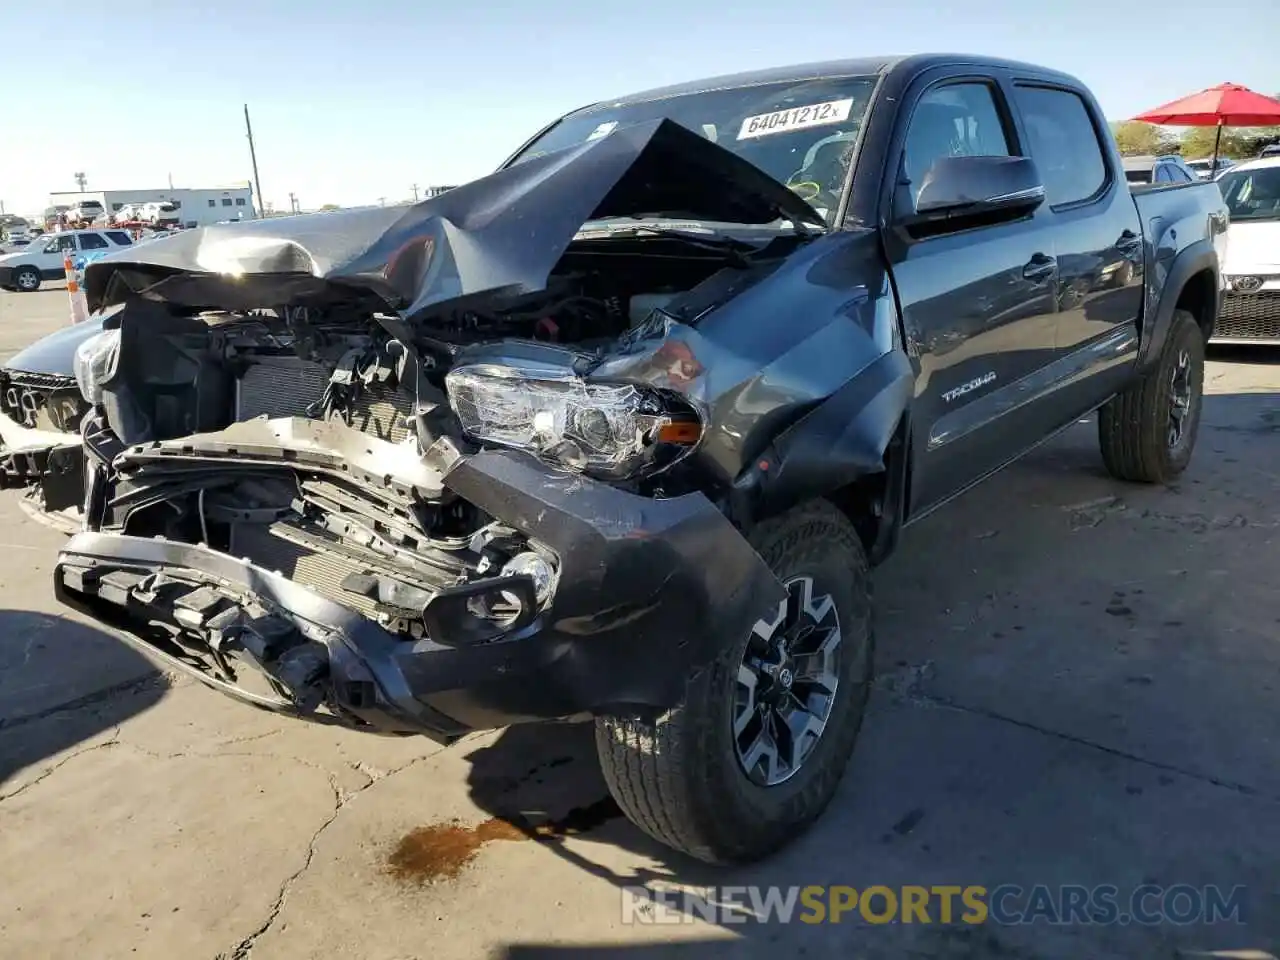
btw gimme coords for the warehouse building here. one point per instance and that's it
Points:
(196, 207)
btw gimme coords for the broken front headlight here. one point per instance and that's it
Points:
(614, 431)
(95, 363)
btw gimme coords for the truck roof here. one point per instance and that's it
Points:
(862, 66)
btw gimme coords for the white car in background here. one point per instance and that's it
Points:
(43, 259)
(1206, 169)
(128, 213)
(86, 211)
(1251, 270)
(161, 213)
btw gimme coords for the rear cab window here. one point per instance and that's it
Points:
(1064, 142)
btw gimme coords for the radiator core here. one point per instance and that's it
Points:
(280, 387)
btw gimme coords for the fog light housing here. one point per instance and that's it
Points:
(537, 568)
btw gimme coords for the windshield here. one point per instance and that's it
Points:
(800, 133)
(1252, 194)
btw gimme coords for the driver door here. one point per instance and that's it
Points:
(978, 307)
(50, 259)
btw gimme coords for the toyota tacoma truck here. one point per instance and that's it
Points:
(618, 430)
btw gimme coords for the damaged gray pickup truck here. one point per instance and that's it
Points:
(618, 430)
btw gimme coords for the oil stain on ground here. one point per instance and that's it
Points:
(441, 851)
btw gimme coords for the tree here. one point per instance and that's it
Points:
(329, 206)
(1139, 139)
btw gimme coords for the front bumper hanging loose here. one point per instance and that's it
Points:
(649, 592)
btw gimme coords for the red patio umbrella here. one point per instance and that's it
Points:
(1226, 105)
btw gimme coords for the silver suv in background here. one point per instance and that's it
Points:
(1170, 168)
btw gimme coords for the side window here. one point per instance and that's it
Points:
(953, 120)
(1064, 144)
(61, 244)
(226, 201)
(119, 237)
(213, 203)
(1164, 173)
(92, 241)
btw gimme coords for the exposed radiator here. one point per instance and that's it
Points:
(321, 570)
(280, 387)
(286, 386)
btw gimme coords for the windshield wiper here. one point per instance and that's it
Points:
(708, 241)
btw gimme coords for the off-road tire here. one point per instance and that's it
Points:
(1133, 427)
(26, 271)
(679, 778)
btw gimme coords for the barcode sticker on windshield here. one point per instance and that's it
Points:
(795, 118)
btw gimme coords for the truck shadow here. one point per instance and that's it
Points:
(1058, 702)
(62, 683)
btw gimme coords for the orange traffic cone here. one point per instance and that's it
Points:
(79, 306)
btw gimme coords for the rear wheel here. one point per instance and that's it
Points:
(754, 752)
(27, 279)
(1148, 433)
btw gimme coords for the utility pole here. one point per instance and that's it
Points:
(253, 156)
(382, 201)
(415, 193)
(293, 203)
(81, 180)
(171, 181)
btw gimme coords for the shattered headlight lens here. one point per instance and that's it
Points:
(95, 363)
(612, 431)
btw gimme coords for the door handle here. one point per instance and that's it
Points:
(1039, 268)
(1128, 242)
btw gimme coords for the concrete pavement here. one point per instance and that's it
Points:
(1078, 684)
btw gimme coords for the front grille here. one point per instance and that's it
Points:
(1249, 316)
(41, 381)
(41, 401)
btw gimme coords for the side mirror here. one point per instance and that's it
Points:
(968, 191)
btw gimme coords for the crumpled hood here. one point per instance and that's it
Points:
(503, 233)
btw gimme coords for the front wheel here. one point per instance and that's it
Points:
(755, 750)
(1148, 433)
(27, 279)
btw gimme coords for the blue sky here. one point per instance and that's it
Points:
(352, 102)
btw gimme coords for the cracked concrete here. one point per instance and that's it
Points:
(1077, 684)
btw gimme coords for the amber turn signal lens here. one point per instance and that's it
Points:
(680, 431)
